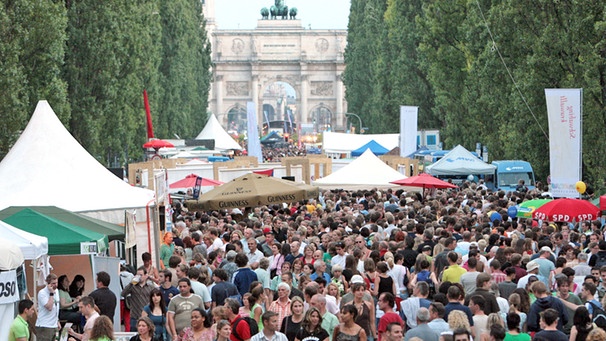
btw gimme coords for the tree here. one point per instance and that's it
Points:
(185, 69)
(32, 37)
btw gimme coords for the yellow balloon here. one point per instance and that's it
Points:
(581, 187)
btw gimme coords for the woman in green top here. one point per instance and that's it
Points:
(513, 325)
(103, 329)
(255, 301)
(69, 306)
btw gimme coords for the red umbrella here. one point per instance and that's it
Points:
(424, 180)
(567, 210)
(157, 144)
(190, 181)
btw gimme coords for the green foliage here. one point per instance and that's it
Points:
(92, 61)
(185, 69)
(32, 38)
(478, 69)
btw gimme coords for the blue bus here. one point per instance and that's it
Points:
(509, 172)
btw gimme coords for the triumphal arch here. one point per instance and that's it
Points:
(292, 74)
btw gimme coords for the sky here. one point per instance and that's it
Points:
(320, 14)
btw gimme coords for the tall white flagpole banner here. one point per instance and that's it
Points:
(254, 143)
(408, 130)
(565, 112)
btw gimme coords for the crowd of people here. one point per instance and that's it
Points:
(357, 266)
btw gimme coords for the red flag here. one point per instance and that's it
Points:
(266, 172)
(150, 126)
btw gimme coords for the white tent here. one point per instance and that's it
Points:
(460, 161)
(340, 143)
(11, 258)
(48, 167)
(365, 172)
(214, 131)
(32, 246)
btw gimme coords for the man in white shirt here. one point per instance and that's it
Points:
(339, 258)
(254, 255)
(216, 242)
(270, 328)
(199, 288)
(48, 310)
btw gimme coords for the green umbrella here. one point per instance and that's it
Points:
(526, 208)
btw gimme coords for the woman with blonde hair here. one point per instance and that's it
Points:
(292, 323)
(457, 319)
(333, 290)
(597, 334)
(493, 319)
(515, 301)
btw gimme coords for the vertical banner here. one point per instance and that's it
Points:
(564, 112)
(254, 143)
(408, 130)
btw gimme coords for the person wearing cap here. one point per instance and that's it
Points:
(270, 241)
(532, 269)
(546, 267)
(349, 297)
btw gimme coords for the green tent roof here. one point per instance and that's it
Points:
(112, 231)
(63, 238)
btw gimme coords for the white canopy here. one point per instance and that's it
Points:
(365, 172)
(32, 246)
(460, 161)
(48, 167)
(214, 131)
(345, 143)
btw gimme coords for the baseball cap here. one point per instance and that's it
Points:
(356, 279)
(545, 249)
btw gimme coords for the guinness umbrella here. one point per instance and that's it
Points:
(190, 181)
(568, 210)
(424, 180)
(254, 190)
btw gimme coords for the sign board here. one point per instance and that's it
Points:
(9, 291)
(89, 248)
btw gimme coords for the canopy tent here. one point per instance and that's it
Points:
(112, 231)
(63, 238)
(460, 161)
(11, 258)
(374, 147)
(345, 143)
(214, 131)
(48, 167)
(271, 138)
(32, 246)
(365, 172)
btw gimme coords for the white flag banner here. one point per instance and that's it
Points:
(408, 130)
(564, 112)
(9, 291)
(254, 143)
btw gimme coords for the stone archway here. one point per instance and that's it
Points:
(246, 62)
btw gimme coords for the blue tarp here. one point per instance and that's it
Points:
(374, 147)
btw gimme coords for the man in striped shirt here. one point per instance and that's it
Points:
(139, 289)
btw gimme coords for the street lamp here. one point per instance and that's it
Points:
(359, 120)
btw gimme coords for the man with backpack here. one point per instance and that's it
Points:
(596, 311)
(242, 328)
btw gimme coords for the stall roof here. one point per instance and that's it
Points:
(112, 231)
(63, 238)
